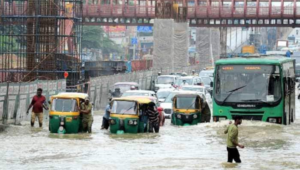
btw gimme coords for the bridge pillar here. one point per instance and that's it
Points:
(207, 45)
(223, 40)
(170, 49)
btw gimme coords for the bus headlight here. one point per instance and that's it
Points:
(195, 116)
(179, 116)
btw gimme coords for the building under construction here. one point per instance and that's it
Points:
(40, 39)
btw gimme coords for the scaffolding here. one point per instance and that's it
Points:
(40, 39)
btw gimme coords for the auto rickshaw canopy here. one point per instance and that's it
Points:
(67, 95)
(140, 100)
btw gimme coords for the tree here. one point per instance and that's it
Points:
(94, 37)
(8, 44)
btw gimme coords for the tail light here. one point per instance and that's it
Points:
(279, 120)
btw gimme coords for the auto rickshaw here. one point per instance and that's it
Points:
(186, 109)
(127, 115)
(64, 116)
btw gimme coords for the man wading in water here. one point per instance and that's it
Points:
(232, 140)
(38, 104)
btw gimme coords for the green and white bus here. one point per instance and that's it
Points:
(261, 88)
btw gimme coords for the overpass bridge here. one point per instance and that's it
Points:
(199, 13)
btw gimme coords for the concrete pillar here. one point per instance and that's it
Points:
(205, 37)
(223, 40)
(170, 49)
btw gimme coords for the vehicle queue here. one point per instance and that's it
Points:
(187, 99)
(132, 110)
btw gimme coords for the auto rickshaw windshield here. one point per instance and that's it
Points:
(124, 107)
(64, 105)
(186, 103)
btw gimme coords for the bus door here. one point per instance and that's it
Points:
(289, 95)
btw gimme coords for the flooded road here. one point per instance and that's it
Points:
(267, 146)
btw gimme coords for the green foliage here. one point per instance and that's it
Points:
(94, 37)
(8, 44)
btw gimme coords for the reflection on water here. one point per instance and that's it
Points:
(267, 146)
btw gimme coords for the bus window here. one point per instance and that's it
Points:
(258, 82)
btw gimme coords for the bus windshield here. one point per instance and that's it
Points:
(247, 83)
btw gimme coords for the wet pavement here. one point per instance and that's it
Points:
(267, 146)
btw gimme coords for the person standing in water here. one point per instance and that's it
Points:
(232, 140)
(38, 103)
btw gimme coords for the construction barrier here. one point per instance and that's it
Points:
(16, 97)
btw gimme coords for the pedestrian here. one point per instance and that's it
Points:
(38, 103)
(194, 73)
(153, 117)
(184, 83)
(205, 113)
(288, 54)
(87, 117)
(105, 120)
(232, 140)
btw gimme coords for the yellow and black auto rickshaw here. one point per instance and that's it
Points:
(64, 116)
(186, 109)
(128, 115)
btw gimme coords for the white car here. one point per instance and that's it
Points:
(167, 105)
(139, 93)
(206, 73)
(162, 94)
(188, 80)
(165, 82)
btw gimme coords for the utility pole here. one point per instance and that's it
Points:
(211, 52)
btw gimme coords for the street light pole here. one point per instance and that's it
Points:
(211, 52)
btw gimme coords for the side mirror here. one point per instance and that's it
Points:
(160, 109)
(211, 84)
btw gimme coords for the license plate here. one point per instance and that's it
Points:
(68, 119)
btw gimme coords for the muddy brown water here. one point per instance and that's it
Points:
(267, 146)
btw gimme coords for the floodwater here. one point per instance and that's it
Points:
(267, 146)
